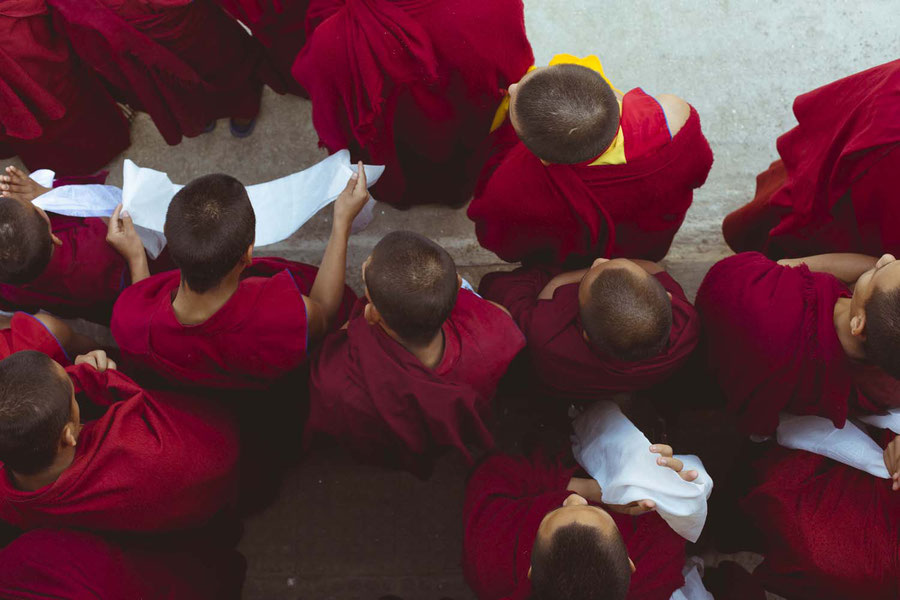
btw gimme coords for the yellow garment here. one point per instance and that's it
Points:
(615, 154)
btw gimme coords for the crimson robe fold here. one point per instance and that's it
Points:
(152, 461)
(507, 498)
(54, 112)
(565, 364)
(834, 188)
(374, 396)
(527, 211)
(27, 333)
(773, 346)
(413, 85)
(184, 62)
(84, 277)
(259, 335)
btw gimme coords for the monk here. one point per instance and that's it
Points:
(51, 106)
(533, 530)
(412, 85)
(582, 171)
(60, 563)
(184, 62)
(415, 370)
(224, 319)
(791, 337)
(44, 333)
(834, 187)
(86, 448)
(73, 267)
(621, 326)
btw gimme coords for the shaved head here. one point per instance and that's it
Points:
(25, 242)
(882, 343)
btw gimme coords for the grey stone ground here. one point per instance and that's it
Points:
(343, 531)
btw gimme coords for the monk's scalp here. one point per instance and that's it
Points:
(882, 342)
(25, 244)
(566, 114)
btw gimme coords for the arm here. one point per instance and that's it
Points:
(845, 266)
(561, 280)
(122, 236)
(651, 267)
(677, 111)
(73, 343)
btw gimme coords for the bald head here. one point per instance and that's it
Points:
(882, 342)
(25, 242)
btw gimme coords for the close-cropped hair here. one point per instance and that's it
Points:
(25, 243)
(35, 405)
(210, 224)
(882, 343)
(413, 283)
(566, 114)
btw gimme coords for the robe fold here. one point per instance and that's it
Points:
(773, 346)
(27, 333)
(59, 563)
(565, 364)
(834, 188)
(525, 211)
(413, 85)
(184, 62)
(54, 112)
(151, 462)
(84, 277)
(259, 335)
(507, 498)
(375, 397)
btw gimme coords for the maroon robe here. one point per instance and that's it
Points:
(835, 187)
(526, 211)
(506, 500)
(27, 333)
(153, 461)
(84, 277)
(377, 399)
(185, 62)
(562, 360)
(413, 85)
(257, 337)
(54, 113)
(47, 564)
(773, 346)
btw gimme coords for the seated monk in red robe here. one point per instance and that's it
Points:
(224, 319)
(70, 266)
(415, 370)
(44, 333)
(620, 326)
(413, 85)
(532, 530)
(61, 563)
(834, 188)
(184, 62)
(790, 336)
(147, 462)
(593, 172)
(54, 112)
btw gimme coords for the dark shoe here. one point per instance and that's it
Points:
(209, 128)
(242, 131)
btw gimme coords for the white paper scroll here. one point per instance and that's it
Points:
(615, 453)
(282, 206)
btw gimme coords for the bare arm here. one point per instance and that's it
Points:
(559, 281)
(122, 236)
(650, 267)
(72, 342)
(677, 111)
(845, 266)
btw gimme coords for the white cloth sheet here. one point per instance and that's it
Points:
(693, 588)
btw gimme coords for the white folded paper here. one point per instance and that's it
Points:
(693, 588)
(615, 453)
(282, 206)
(891, 420)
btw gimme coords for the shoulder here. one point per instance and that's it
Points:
(676, 110)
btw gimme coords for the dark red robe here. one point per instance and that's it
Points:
(378, 400)
(185, 62)
(835, 187)
(257, 337)
(84, 277)
(48, 564)
(773, 346)
(54, 113)
(152, 462)
(560, 357)
(413, 85)
(27, 333)
(506, 500)
(526, 211)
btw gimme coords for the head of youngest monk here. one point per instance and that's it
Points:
(579, 554)
(39, 417)
(412, 285)
(625, 312)
(875, 314)
(26, 241)
(564, 114)
(210, 229)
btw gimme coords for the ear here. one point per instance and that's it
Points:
(512, 88)
(631, 562)
(529, 572)
(248, 256)
(458, 281)
(669, 294)
(585, 337)
(56, 241)
(858, 325)
(544, 162)
(371, 314)
(69, 437)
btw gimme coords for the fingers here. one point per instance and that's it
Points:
(97, 359)
(673, 463)
(895, 484)
(361, 183)
(661, 449)
(114, 218)
(689, 475)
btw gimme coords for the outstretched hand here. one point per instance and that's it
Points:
(892, 462)
(15, 184)
(97, 359)
(666, 460)
(122, 235)
(352, 199)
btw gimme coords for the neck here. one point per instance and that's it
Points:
(852, 345)
(193, 308)
(429, 354)
(36, 481)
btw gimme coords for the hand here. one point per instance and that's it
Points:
(892, 462)
(638, 507)
(17, 185)
(122, 235)
(97, 359)
(352, 199)
(667, 460)
(790, 262)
